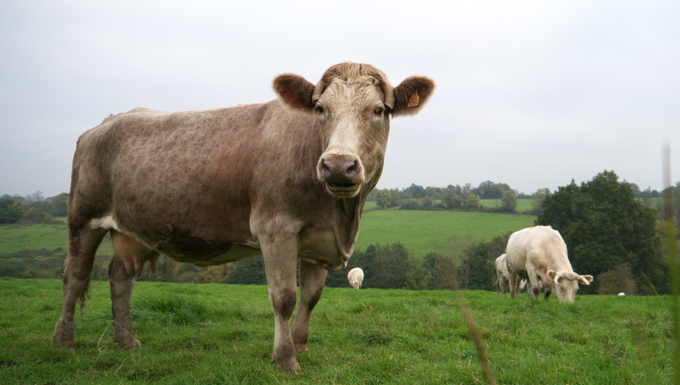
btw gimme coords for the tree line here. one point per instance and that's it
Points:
(31, 209)
(610, 233)
(452, 197)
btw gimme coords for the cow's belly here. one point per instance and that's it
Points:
(195, 248)
(232, 253)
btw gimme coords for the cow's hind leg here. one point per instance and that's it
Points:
(514, 285)
(126, 264)
(83, 243)
(312, 279)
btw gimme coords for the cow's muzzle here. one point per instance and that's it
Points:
(342, 175)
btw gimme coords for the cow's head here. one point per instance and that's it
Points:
(565, 284)
(353, 103)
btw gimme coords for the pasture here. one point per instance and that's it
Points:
(223, 334)
(424, 231)
(420, 231)
(15, 238)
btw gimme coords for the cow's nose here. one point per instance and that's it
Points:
(339, 170)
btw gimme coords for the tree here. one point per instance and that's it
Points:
(453, 201)
(537, 199)
(491, 190)
(414, 191)
(10, 211)
(249, 271)
(604, 227)
(58, 205)
(35, 197)
(384, 198)
(509, 201)
(396, 199)
(472, 201)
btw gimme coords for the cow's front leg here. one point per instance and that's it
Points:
(514, 285)
(533, 288)
(312, 279)
(280, 262)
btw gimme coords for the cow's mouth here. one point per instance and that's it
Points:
(343, 189)
(342, 186)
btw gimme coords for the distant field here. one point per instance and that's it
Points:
(15, 238)
(421, 231)
(425, 231)
(522, 204)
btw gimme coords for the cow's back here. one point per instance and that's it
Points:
(186, 182)
(539, 245)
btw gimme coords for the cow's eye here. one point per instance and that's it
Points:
(319, 109)
(378, 111)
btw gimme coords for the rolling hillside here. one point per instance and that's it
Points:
(425, 231)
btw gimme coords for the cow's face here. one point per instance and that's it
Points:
(565, 285)
(353, 104)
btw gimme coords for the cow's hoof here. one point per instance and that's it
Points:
(59, 343)
(301, 348)
(288, 366)
(130, 345)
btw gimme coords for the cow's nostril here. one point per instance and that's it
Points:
(352, 169)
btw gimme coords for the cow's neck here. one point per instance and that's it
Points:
(352, 208)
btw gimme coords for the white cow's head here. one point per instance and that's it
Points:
(565, 285)
(353, 103)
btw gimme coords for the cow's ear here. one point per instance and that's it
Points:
(552, 274)
(295, 91)
(411, 95)
(585, 279)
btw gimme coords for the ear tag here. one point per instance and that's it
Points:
(414, 100)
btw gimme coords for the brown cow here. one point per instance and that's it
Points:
(286, 179)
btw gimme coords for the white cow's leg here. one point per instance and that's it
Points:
(312, 279)
(82, 246)
(280, 262)
(532, 284)
(514, 284)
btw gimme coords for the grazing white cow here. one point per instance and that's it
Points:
(503, 275)
(356, 277)
(540, 254)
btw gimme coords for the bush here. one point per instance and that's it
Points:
(620, 279)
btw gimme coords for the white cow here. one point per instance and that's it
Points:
(540, 254)
(356, 277)
(503, 275)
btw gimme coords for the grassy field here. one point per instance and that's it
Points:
(421, 231)
(223, 334)
(425, 231)
(522, 204)
(14, 238)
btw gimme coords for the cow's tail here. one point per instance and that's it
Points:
(84, 296)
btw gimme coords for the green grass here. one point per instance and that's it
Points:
(425, 231)
(419, 230)
(15, 238)
(522, 204)
(217, 334)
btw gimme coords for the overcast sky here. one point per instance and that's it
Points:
(529, 93)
